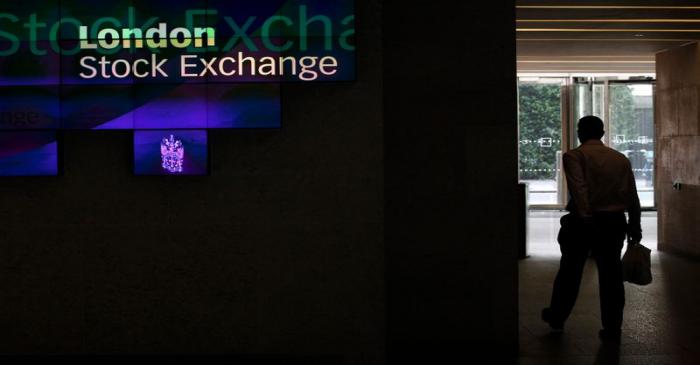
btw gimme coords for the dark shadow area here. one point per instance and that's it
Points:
(608, 354)
(209, 359)
(679, 321)
(451, 252)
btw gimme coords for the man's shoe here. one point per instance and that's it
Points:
(611, 336)
(556, 326)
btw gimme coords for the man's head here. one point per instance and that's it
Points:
(590, 127)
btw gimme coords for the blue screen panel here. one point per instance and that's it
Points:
(24, 68)
(29, 107)
(98, 107)
(243, 106)
(28, 154)
(170, 106)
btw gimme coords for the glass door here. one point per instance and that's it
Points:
(631, 131)
(589, 99)
(627, 108)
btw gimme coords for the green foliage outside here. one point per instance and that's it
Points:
(623, 113)
(540, 121)
(629, 120)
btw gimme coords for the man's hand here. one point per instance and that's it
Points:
(634, 233)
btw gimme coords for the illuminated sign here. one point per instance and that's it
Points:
(156, 65)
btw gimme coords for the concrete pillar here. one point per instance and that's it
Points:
(678, 149)
(451, 175)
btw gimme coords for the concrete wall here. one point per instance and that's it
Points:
(451, 180)
(383, 213)
(678, 149)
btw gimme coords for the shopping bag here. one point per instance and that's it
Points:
(636, 264)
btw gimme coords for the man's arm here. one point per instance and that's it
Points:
(576, 180)
(633, 208)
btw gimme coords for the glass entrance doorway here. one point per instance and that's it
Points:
(549, 108)
(627, 108)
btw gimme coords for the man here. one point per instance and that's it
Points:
(602, 188)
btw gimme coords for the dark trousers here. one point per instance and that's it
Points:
(604, 237)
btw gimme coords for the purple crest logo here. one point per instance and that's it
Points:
(172, 152)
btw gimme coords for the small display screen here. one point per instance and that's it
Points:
(171, 152)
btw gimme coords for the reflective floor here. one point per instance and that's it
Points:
(545, 192)
(543, 227)
(662, 320)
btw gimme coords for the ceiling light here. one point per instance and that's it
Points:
(608, 20)
(607, 30)
(595, 7)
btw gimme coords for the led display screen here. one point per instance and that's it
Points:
(171, 152)
(162, 65)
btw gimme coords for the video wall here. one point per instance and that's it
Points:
(169, 71)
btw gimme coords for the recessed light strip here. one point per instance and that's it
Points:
(608, 20)
(608, 30)
(585, 61)
(562, 57)
(607, 7)
(603, 40)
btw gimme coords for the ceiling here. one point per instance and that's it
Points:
(601, 37)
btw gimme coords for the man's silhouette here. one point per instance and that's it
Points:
(602, 188)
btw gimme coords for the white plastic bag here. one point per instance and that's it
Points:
(636, 264)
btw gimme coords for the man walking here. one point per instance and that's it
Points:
(602, 188)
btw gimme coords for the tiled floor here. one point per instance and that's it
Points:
(662, 320)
